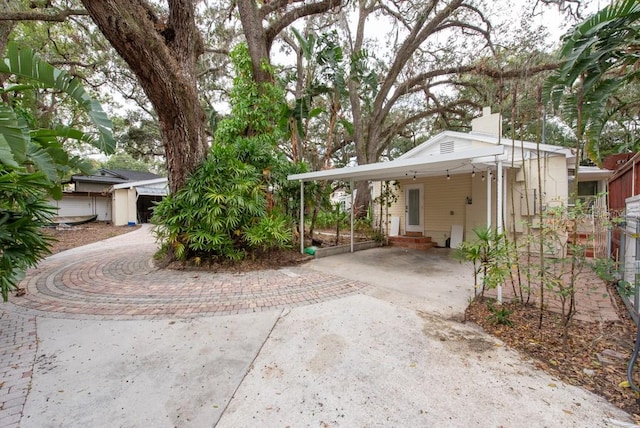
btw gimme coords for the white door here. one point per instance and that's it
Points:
(413, 208)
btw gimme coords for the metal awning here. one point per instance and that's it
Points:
(401, 168)
(151, 191)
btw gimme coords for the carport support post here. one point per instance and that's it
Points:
(352, 190)
(489, 198)
(301, 227)
(499, 195)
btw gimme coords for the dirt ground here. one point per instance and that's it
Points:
(595, 356)
(67, 237)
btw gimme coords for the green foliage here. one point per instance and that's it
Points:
(124, 161)
(43, 149)
(626, 289)
(489, 253)
(33, 160)
(139, 137)
(605, 269)
(26, 63)
(565, 259)
(500, 315)
(333, 218)
(223, 210)
(598, 64)
(23, 210)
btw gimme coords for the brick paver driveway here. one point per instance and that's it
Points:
(116, 278)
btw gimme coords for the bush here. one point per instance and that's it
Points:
(23, 211)
(221, 212)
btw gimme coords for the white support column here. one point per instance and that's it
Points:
(505, 182)
(352, 191)
(499, 195)
(301, 227)
(499, 211)
(488, 198)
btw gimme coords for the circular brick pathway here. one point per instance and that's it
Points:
(117, 279)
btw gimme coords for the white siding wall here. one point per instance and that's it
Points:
(92, 187)
(445, 203)
(120, 206)
(74, 205)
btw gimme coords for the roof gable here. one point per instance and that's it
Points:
(459, 142)
(447, 142)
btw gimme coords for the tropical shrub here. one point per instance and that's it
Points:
(221, 212)
(33, 159)
(489, 255)
(23, 211)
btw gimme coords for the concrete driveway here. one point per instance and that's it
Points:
(440, 284)
(365, 339)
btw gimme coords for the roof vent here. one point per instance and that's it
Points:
(446, 147)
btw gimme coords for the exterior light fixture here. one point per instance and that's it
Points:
(448, 176)
(473, 171)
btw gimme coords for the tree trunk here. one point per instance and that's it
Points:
(256, 38)
(5, 30)
(163, 54)
(279, 14)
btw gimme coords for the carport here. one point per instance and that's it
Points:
(466, 161)
(439, 165)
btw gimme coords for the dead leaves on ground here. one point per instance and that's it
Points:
(595, 356)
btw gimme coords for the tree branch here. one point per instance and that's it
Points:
(59, 16)
(299, 12)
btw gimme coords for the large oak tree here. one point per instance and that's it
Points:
(163, 48)
(163, 52)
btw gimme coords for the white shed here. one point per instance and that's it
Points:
(132, 202)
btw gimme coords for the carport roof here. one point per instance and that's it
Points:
(401, 168)
(143, 183)
(152, 191)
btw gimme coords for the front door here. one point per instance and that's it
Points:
(413, 208)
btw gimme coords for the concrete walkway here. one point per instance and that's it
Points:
(102, 338)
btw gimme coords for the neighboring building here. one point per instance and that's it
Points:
(96, 195)
(133, 201)
(625, 182)
(457, 181)
(624, 201)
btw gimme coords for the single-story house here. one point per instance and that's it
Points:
(108, 194)
(458, 181)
